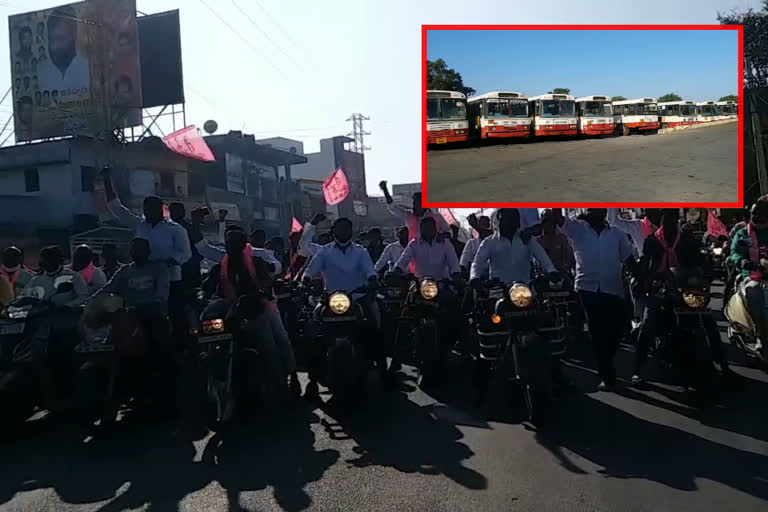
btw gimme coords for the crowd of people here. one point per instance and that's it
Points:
(594, 251)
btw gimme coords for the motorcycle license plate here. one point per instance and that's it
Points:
(214, 338)
(557, 294)
(518, 314)
(16, 328)
(441, 140)
(92, 348)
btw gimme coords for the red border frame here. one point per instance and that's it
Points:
(425, 28)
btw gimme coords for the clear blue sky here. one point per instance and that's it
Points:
(695, 64)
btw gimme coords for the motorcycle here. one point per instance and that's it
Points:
(113, 349)
(393, 289)
(36, 365)
(342, 323)
(741, 326)
(682, 343)
(234, 369)
(508, 320)
(428, 326)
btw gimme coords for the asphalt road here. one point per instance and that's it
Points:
(691, 165)
(635, 450)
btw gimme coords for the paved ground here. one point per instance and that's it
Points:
(691, 165)
(631, 451)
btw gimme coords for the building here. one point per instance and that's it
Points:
(403, 193)
(291, 146)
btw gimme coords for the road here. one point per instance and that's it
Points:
(684, 166)
(634, 450)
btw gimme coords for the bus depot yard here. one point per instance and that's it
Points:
(692, 165)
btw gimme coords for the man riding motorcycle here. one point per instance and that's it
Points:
(505, 257)
(52, 268)
(82, 263)
(13, 269)
(345, 266)
(393, 251)
(244, 270)
(670, 247)
(748, 252)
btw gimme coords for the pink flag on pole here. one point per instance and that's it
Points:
(715, 226)
(336, 188)
(448, 216)
(189, 143)
(296, 226)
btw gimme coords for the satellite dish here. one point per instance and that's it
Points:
(210, 127)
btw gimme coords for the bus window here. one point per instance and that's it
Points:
(518, 108)
(432, 112)
(453, 109)
(498, 108)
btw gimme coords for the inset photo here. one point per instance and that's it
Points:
(531, 115)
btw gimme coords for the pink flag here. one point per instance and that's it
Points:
(715, 226)
(166, 212)
(448, 216)
(188, 143)
(296, 226)
(336, 188)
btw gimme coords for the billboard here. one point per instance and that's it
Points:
(161, 72)
(75, 68)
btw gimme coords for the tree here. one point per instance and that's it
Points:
(440, 76)
(730, 97)
(618, 98)
(560, 90)
(755, 43)
(670, 97)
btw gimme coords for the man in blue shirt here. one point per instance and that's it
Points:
(168, 243)
(346, 266)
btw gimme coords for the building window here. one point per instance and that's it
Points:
(166, 184)
(87, 177)
(31, 180)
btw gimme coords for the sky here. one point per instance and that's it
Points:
(299, 69)
(697, 65)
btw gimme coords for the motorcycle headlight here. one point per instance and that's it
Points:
(695, 300)
(521, 295)
(18, 313)
(213, 326)
(428, 289)
(717, 251)
(339, 303)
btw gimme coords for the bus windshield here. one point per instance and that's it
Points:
(453, 109)
(709, 110)
(688, 110)
(507, 108)
(558, 108)
(597, 108)
(648, 108)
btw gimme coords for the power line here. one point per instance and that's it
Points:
(277, 24)
(245, 40)
(237, 6)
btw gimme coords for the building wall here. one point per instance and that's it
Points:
(284, 144)
(319, 165)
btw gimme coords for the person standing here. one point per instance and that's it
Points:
(168, 243)
(601, 251)
(412, 216)
(557, 245)
(375, 245)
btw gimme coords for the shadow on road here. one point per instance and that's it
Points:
(411, 438)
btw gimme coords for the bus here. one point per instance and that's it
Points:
(677, 113)
(641, 114)
(552, 114)
(595, 115)
(727, 110)
(446, 117)
(706, 111)
(499, 114)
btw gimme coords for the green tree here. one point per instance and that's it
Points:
(441, 77)
(618, 98)
(755, 43)
(730, 97)
(670, 97)
(560, 90)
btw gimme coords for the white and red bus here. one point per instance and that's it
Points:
(595, 115)
(727, 110)
(677, 113)
(552, 114)
(446, 117)
(641, 114)
(706, 111)
(499, 114)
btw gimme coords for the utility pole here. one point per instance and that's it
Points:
(358, 133)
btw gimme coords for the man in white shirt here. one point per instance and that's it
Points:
(392, 252)
(345, 266)
(638, 229)
(66, 71)
(601, 252)
(483, 227)
(504, 255)
(433, 256)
